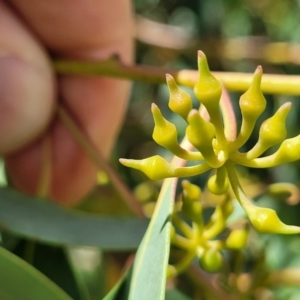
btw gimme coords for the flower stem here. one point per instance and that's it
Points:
(113, 67)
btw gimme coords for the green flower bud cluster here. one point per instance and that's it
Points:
(214, 150)
(206, 133)
(203, 240)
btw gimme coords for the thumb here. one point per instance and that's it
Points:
(26, 85)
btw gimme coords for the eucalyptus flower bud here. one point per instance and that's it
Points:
(288, 151)
(253, 102)
(237, 239)
(191, 206)
(180, 102)
(191, 191)
(165, 132)
(155, 167)
(201, 134)
(211, 260)
(208, 89)
(218, 184)
(272, 131)
(265, 220)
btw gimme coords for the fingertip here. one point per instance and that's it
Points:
(26, 103)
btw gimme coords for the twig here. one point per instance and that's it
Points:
(112, 67)
(93, 153)
(286, 277)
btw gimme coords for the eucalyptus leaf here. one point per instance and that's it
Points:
(150, 266)
(19, 280)
(49, 223)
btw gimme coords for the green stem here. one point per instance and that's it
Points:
(112, 67)
(245, 132)
(236, 187)
(185, 154)
(215, 119)
(191, 171)
(182, 242)
(286, 277)
(182, 226)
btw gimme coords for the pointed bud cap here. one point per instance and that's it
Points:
(288, 151)
(201, 133)
(265, 220)
(180, 102)
(165, 132)
(208, 89)
(253, 102)
(155, 167)
(273, 130)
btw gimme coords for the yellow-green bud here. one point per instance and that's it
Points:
(191, 191)
(208, 89)
(237, 239)
(171, 271)
(201, 133)
(253, 102)
(288, 151)
(191, 206)
(265, 220)
(192, 210)
(155, 167)
(180, 102)
(165, 132)
(218, 184)
(272, 131)
(211, 260)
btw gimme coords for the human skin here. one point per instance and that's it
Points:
(30, 91)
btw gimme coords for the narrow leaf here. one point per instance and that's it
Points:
(50, 223)
(18, 280)
(150, 265)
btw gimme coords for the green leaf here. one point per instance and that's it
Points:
(54, 263)
(151, 261)
(150, 266)
(50, 223)
(19, 280)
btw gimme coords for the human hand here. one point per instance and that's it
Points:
(29, 91)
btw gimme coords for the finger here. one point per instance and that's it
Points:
(26, 85)
(83, 30)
